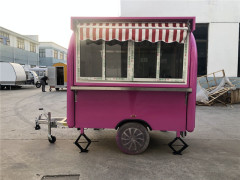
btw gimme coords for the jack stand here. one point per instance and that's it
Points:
(77, 143)
(177, 152)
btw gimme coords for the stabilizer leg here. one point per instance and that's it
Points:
(177, 152)
(79, 146)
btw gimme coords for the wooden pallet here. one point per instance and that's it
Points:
(212, 81)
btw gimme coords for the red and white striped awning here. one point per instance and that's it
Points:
(153, 32)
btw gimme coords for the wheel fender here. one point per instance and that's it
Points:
(144, 123)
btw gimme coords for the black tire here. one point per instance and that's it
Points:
(2, 87)
(38, 85)
(52, 140)
(132, 138)
(57, 89)
(37, 127)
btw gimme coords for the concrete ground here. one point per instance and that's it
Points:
(26, 154)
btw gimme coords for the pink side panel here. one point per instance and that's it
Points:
(70, 80)
(105, 109)
(193, 84)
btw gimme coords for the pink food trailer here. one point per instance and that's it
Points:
(132, 74)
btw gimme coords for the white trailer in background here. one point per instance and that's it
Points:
(11, 74)
(14, 75)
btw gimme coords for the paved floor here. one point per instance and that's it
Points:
(26, 154)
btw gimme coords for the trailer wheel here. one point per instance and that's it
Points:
(38, 85)
(52, 140)
(57, 89)
(2, 87)
(37, 127)
(132, 138)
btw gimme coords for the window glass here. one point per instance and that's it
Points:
(20, 43)
(55, 54)
(116, 58)
(202, 58)
(201, 32)
(201, 36)
(145, 59)
(4, 38)
(171, 60)
(141, 61)
(32, 47)
(42, 53)
(61, 55)
(91, 58)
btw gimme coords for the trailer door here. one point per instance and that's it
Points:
(51, 76)
(60, 75)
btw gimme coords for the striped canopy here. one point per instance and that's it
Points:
(153, 32)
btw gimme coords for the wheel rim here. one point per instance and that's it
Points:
(132, 139)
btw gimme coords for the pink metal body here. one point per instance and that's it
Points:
(170, 111)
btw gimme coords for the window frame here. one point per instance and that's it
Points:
(20, 43)
(4, 38)
(61, 55)
(33, 47)
(42, 53)
(130, 67)
(55, 54)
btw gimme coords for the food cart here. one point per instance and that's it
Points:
(57, 75)
(132, 74)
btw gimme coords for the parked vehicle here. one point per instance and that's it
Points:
(40, 71)
(57, 75)
(32, 78)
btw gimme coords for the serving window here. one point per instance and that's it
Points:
(116, 59)
(171, 64)
(91, 58)
(145, 59)
(148, 61)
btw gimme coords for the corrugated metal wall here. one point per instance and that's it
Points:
(12, 54)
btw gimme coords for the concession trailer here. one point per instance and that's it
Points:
(57, 75)
(132, 74)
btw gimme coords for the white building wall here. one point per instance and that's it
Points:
(204, 10)
(27, 45)
(223, 48)
(37, 49)
(12, 40)
(49, 52)
(223, 17)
